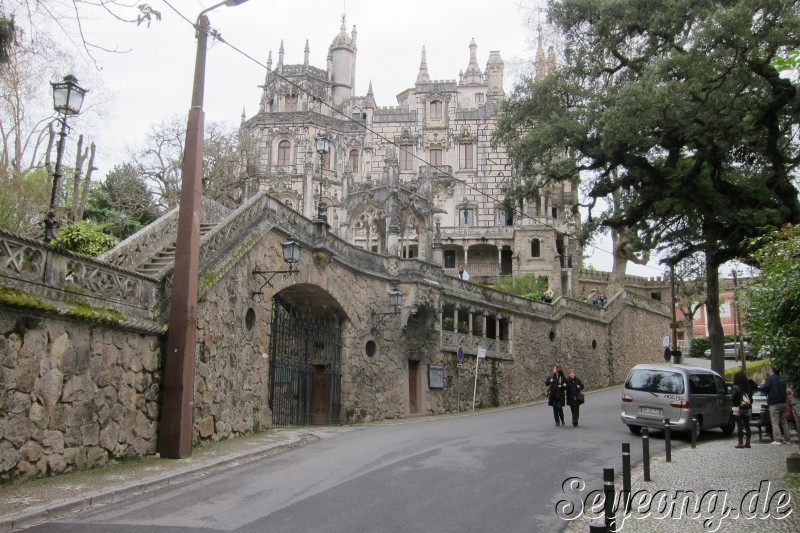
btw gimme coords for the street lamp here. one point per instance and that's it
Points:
(67, 101)
(323, 145)
(175, 433)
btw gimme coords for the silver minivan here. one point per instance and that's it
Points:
(655, 392)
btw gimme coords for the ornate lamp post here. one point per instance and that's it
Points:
(323, 145)
(175, 433)
(67, 101)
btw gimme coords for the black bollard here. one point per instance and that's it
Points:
(608, 507)
(597, 527)
(694, 432)
(626, 476)
(667, 440)
(646, 453)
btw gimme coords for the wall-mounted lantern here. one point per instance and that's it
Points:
(395, 300)
(291, 254)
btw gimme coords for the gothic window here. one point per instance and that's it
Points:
(284, 153)
(479, 98)
(291, 102)
(326, 160)
(449, 258)
(436, 110)
(465, 155)
(466, 216)
(505, 216)
(354, 161)
(536, 248)
(554, 212)
(435, 157)
(406, 157)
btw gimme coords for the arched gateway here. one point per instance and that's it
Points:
(305, 363)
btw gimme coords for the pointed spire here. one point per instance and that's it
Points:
(473, 73)
(280, 54)
(541, 63)
(423, 77)
(269, 61)
(244, 116)
(370, 102)
(307, 50)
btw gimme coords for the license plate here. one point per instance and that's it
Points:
(649, 410)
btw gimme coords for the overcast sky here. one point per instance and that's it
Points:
(153, 80)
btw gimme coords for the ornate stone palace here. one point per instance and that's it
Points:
(394, 176)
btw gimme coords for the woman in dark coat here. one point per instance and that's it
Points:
(557, 384)
(741, 402)
(574, 386)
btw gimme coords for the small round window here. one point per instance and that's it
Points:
(249, 319)
(370, 348)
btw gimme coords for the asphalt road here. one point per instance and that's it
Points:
(501, 470)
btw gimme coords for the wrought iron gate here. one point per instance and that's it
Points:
(305, 367)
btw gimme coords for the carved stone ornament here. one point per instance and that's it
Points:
(322, 257)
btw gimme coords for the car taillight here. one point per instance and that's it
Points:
(679, 405)
(626, 398)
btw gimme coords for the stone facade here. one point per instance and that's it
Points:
(393, 173)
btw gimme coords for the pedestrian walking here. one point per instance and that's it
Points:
(463, 274)
(574, 395)
(557, 386)
(742, 403)
(667, 354)
(775, 390)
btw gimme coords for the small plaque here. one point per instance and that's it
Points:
(435, 376)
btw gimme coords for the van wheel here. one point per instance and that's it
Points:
(635, 429)
(729, 427)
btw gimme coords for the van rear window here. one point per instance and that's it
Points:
(655, 381)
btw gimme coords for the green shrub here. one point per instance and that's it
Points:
(85, 238)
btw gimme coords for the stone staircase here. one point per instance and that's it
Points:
(166, 256)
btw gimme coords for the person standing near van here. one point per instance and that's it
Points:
(574, 386)
(557, 385)
(775, 390)
(741, 404)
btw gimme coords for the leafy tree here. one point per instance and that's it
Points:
(677, 106)
(122, 203)
(160, 160)
(8, 34)
(773, 300)
(23, 196)
(85, 238)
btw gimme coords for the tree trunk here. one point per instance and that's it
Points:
(716, 335)
(87, 182)
(616, 279)
(80, 157)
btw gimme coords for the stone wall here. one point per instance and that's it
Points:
(74, 395)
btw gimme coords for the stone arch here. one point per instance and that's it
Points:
(305, 357)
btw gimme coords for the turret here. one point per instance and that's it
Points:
(342, 65)
(473, 75)
(494, 74)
